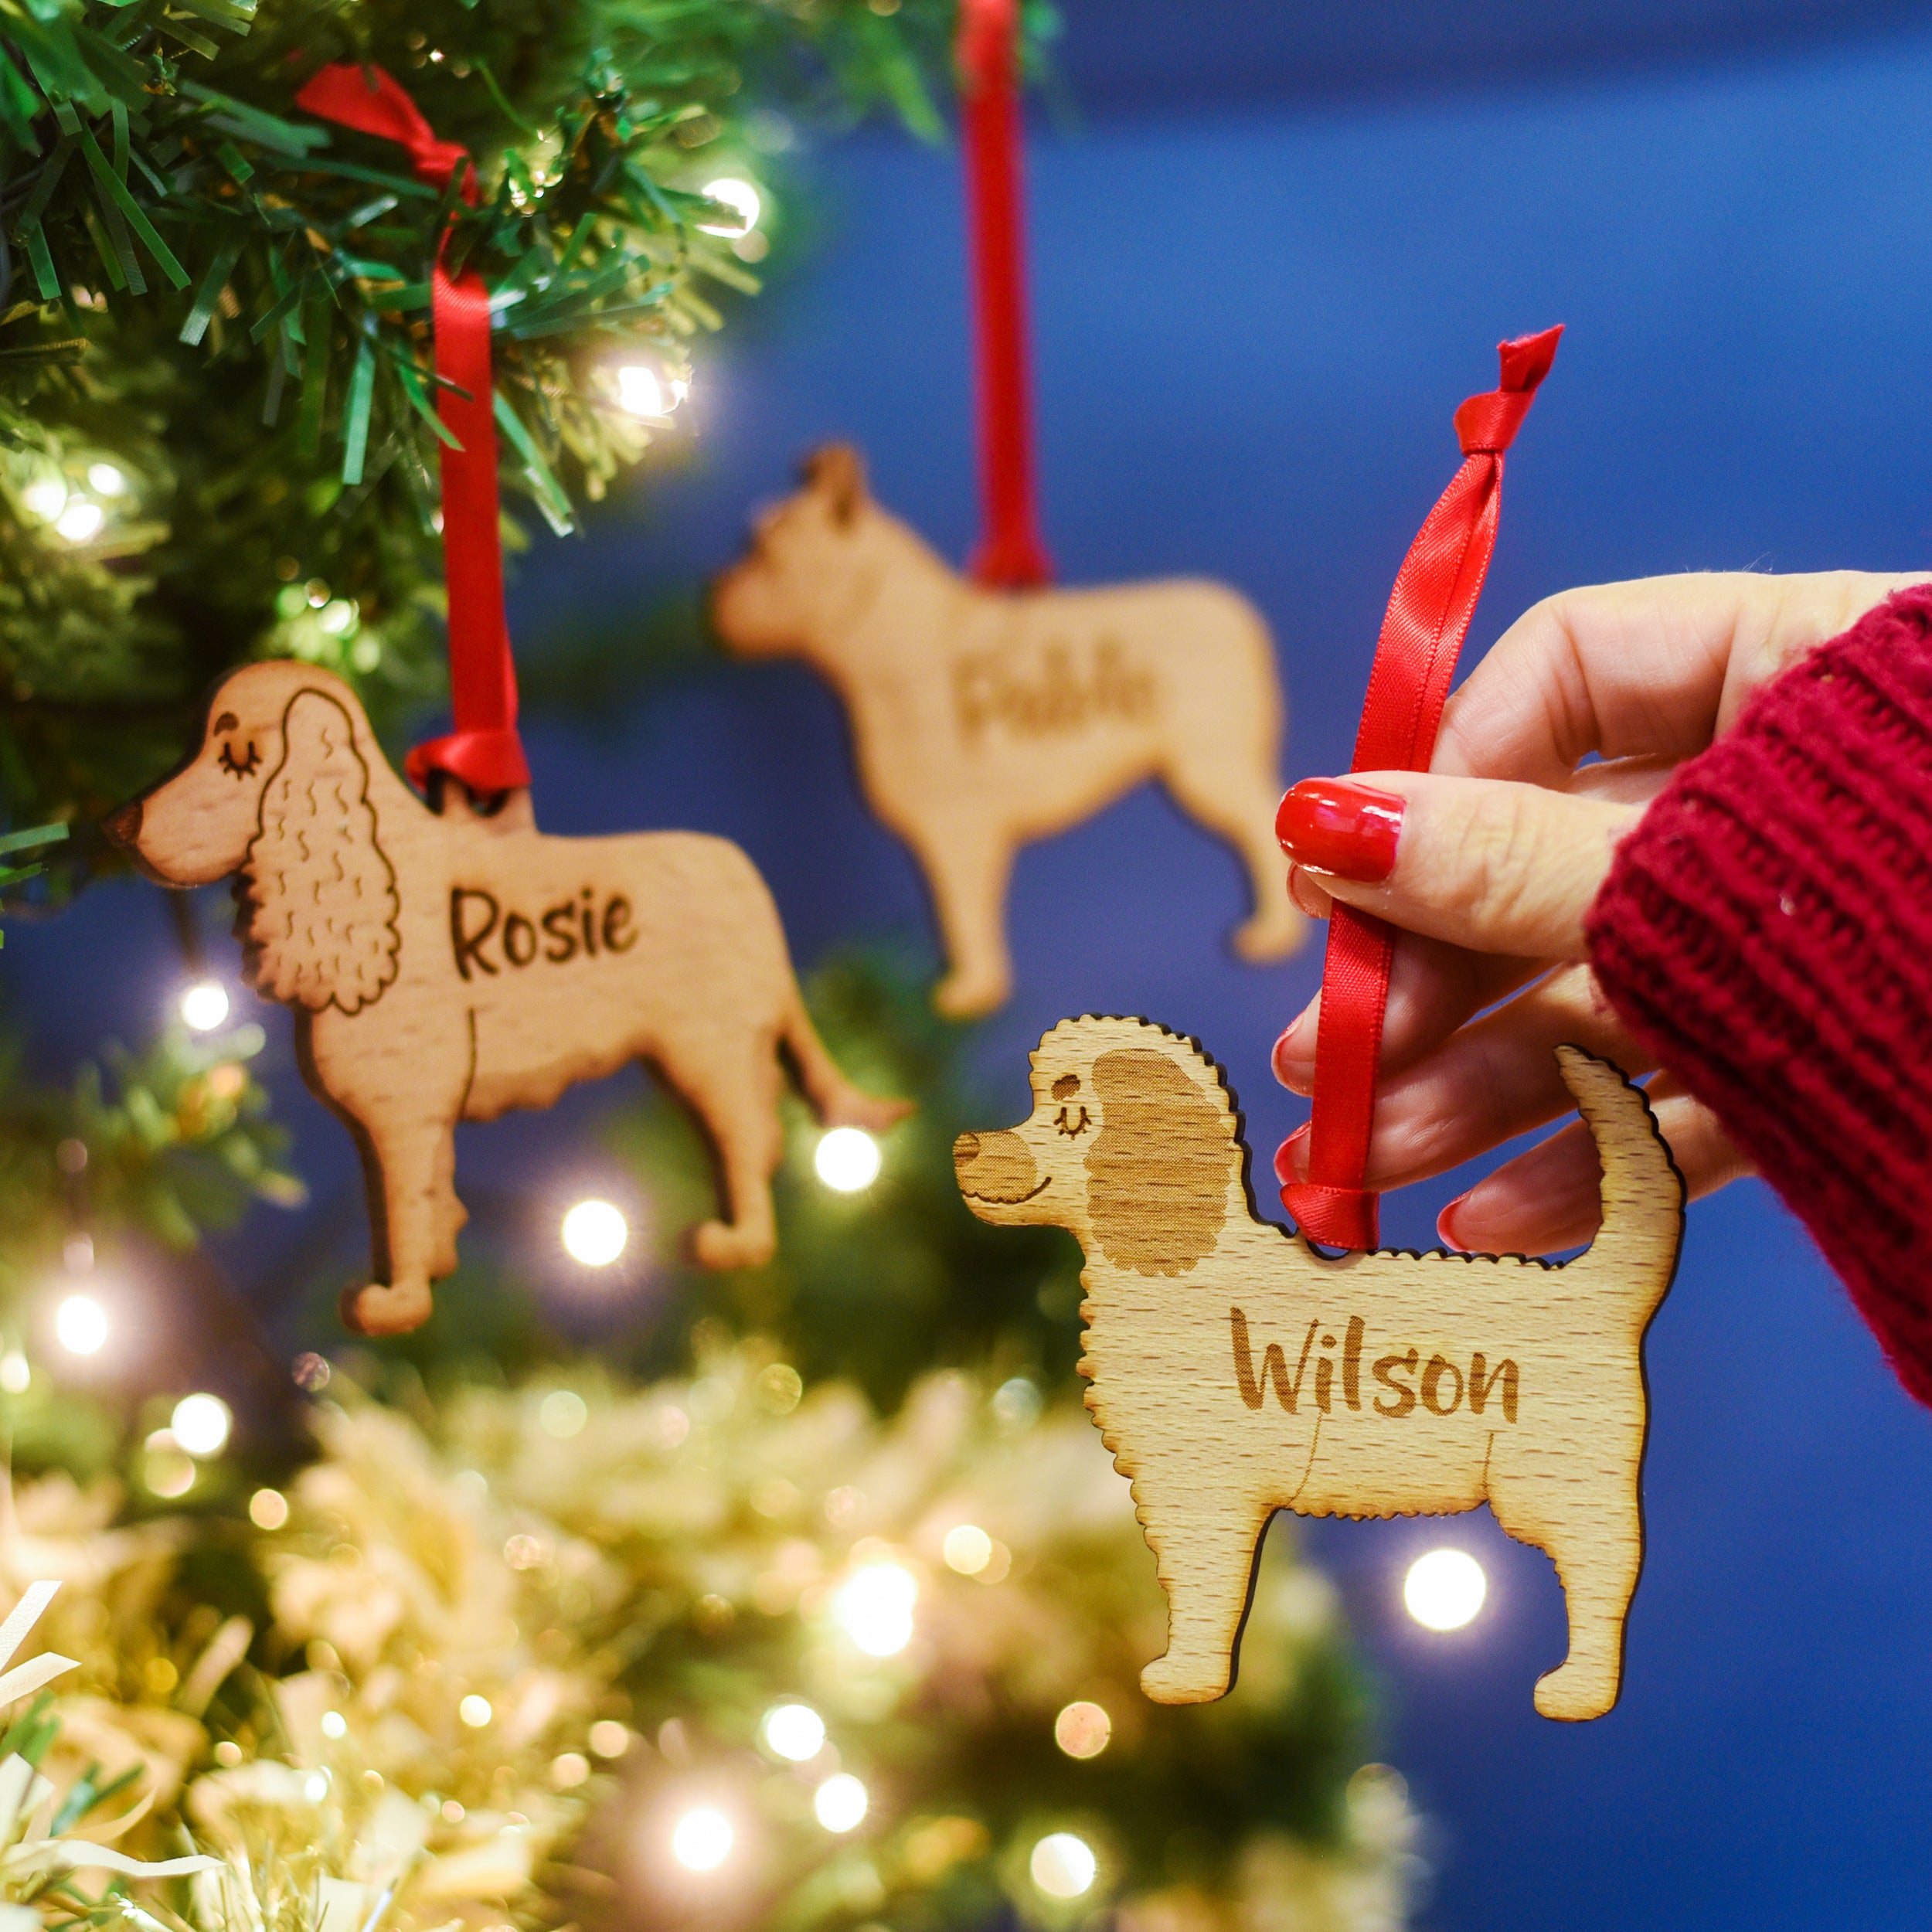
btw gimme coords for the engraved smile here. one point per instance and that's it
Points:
(997, 1200)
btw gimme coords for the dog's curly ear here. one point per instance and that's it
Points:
(839, 471)
(321, 926)
(1157, 1173)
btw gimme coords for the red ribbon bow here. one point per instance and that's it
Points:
(1013, 556)
(484, 750)
(1429, 615)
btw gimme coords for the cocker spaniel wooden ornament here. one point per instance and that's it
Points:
(1237, 1370)
(448, 966)
(982, 719)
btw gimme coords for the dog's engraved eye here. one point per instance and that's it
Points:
(1067, 1086)
(1071, 1124)
(243, 766)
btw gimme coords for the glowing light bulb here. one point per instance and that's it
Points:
(595, 1233)
(201, 1424)
(847, 1159)
(268, 1510)
(641, 392)
(795, 1731)
(737, 194)
(46, 497)
(839, 1803)
(16, 1372)
(335, 1724)
(81, 1325)
(475, 1711)
(702, 1840)
(874, 1607)
(204, 1006)
(562, 1413)
(1445, 1589)
(968, 1549)
(1063, 1866)
(80, 521)
(1082, 1730)
(105, 478)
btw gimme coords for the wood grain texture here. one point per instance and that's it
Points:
(447, 966)
(983, 719)
(1237, 1370)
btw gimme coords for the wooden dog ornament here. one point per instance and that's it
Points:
(448, 966)
(984, 720)
(1236, 1370)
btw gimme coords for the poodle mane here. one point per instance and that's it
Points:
(319, 899)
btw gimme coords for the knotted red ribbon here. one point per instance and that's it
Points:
(1011, 555)
(484, 750)
(1429, 615)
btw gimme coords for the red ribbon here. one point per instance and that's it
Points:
(484, 750)
(1428, 614)
(1012, 555)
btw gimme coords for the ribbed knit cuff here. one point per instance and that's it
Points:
(1765, 930)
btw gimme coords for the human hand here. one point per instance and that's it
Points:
(1488, 862)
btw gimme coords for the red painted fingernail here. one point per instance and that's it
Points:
(1336, 826)
(1286, 1167)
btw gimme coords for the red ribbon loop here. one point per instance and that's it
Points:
(1011, 555)
(484, 751)
(1429, 615)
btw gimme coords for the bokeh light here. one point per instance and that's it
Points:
(967, 1549)
(204, 1006)
(1063, 1866)
(847, 1159)
(1445, 1589)
(106, 479)
(702, 1840)
(81, 1325)
(562, 1413)
(46, 497)
(1083, 1730)
(642, 391)
(595, 1233)
(874, 1607)
(80, 521)
(475, 1711)
(201, 1424)
(734, 193)
(839, 1803)
(794, 1731)
(268, 1510)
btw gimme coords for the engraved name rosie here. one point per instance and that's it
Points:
(1441, 1386)
(479, 926)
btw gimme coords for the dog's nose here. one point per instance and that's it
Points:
(124, 826)
(966, 1150)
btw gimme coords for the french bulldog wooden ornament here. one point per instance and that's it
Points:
(984, 720)
(1236, 1370)
(448, 966)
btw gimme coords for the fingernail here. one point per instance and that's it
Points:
(1306, 895)
(1336, 826)
(1291, 1157)
(1295, 1045)
(1445, 1224)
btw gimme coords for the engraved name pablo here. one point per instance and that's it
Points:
(988, 690)
(1441, 1387)
(484, 938)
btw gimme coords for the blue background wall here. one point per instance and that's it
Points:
(1253, 324)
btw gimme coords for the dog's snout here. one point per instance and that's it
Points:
(124, 826)
(1001, 1165)
(965, 1151)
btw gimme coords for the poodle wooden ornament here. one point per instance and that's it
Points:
(1237, 1370)
(446, 966)
(982, 719)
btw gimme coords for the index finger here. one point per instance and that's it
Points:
(1656, 668)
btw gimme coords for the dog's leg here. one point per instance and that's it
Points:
(411, 1163)
(1205, 1546)
(1226, 799)
(732, 1079)
(968, 868)
(1578, 1502)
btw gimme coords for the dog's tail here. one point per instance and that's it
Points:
(1643, 1193)
(834, 1098)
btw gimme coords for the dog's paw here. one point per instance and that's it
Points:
(1186, 1680)
(963, 995)
(717, 1244)
(1283, 929)
(377, 1310)
(1573, 1693)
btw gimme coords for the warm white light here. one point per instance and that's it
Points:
(81, 1325)
(80, 521)
(204, 1006)
(46, 497)
(268, 1510)
(609, 1738)
(840, 1803)
(968, 1549)
(335, 1724)
(703, 1841)
(1083, 1730)
(104, 477)
(640, 393)
(201, 1424)
(595, 1233)
(474, 1711)
(847, 1159)
(795, 1731)
(166, 1468)
(733, 193)
(315, 1787)
(562, 1413)
(1063, 1866)
(337, 615)
(16, 1372)
(874, 1607)
(1444, 1589)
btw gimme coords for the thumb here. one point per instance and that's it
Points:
(1479, 863)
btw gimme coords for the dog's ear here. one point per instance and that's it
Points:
(1157, 1173)
(323, 905)
(837, 473)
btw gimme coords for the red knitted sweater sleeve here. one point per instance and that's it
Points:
(1767, 931)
